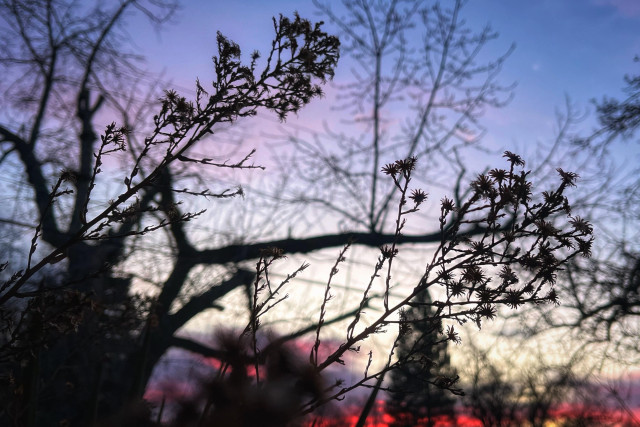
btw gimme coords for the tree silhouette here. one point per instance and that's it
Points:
(602, 294)
(414, 395)
(621, 117)
(79, 340)
(540, 393)
(67, 53)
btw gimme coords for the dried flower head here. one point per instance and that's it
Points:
(447, 205)
(552, 297)
(418, 196)
(473, 274)
(584, 246)
(568, 178)
(407, 165)
(400, 166)
(69, 175)
(452, 335)
(546, 228)
(487, 310)
(508, 276)
(457, 289)
(483, 185)
(514, 159)
(391, 169)
(581, 225)
(498, 174)
(485, 295)
(514, 299)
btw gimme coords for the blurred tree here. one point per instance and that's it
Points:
(606, 289)
(538, 394)
(601, 295)
(67, 64)
(492, 397)
(419, 86)
(415, 397)
(57, 58)
(621, 118)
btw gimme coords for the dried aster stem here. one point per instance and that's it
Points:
(536, 238)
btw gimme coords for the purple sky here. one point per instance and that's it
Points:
(580, 49)
(575, 48)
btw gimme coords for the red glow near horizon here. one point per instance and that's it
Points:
(379, 418)
(171, 389)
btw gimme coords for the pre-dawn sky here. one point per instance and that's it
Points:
(579, 49)
(575, 48)
(450, 209)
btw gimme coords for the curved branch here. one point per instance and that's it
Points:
(199, 303)
(243, 252)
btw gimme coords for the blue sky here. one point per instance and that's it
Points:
(580, 49)
(575, 48)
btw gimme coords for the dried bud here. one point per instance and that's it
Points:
(388, 252)
(403, 324)
(272, 252)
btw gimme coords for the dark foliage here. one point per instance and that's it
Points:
(79, 345)
(415, 392)
(90, 356)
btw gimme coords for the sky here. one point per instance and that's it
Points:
(577, 50)
(563, 48)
